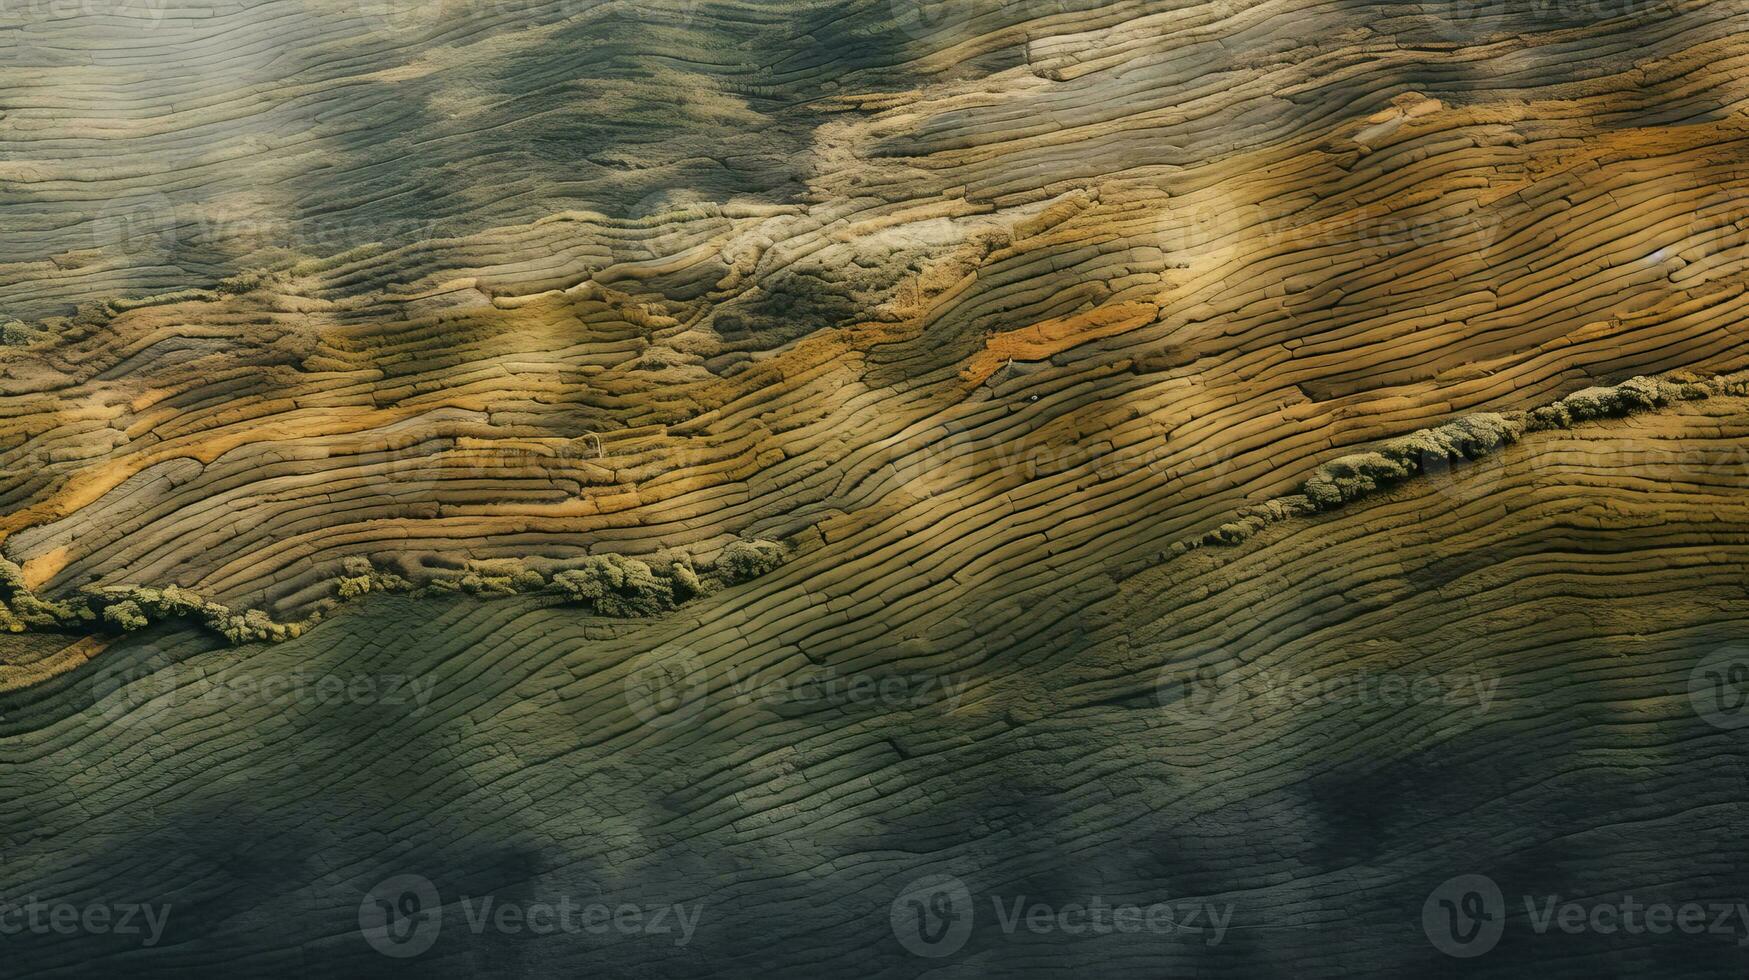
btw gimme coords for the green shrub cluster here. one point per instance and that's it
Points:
(359, 577)
(619, 586)
(1463, 440)
(22, 609)
(613, 585)
(1356, 475)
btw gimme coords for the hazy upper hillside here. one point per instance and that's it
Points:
(148, 145)
(151, 144)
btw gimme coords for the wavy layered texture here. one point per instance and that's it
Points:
(1074, 353)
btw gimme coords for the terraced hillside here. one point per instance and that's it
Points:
(874, 489)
